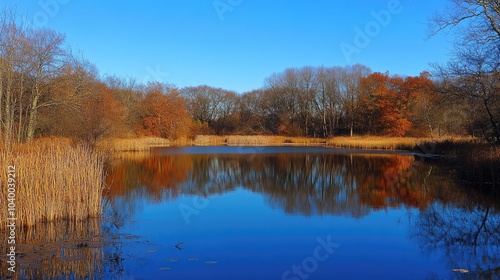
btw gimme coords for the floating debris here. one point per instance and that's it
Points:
(164, 268)
(210, 262)
(172, 260)
(193, 259)
(461, 270)
(132, 236)
(151, 251)
(178, 246)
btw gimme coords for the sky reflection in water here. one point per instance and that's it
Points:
(256, 212)
(267, 213)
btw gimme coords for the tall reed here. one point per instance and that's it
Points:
(54, 181)
(132, 144)
(255, 140)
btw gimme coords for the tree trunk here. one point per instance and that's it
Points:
(492, 120)
(325, 127)
(352, 127)
(20, 125)
(8, 114)
(32, 116)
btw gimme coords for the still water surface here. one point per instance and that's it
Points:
(277, 213)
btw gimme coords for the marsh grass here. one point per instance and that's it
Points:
(55, 180)
(132, 144)
(373, 142)
(255, 140)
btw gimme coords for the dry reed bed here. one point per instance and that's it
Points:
(132, 144)
(254, 140)
(398, 143)
(54, 181)
(372, 142)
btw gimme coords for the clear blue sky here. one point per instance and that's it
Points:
(239, 47)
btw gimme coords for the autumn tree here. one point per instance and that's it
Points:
(163, 112)
(424, 104)
(386, 105)
(99, 116)
(127, 93)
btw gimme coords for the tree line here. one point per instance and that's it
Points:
(47, 89)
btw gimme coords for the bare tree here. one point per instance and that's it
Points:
(473, 71)
(46, 63)
(12, 48)
(475, 20)
(351, 76)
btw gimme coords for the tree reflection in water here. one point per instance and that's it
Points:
(461, 225)
(309, 184)
(467, 236)
(458, 223)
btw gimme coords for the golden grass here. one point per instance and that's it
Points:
(254, 140)
(389, 143)
(53, 180)
(132, 144)
(373, 142)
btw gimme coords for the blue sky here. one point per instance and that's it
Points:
(236, 44)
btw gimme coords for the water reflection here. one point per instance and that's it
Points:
(466, 237)
(452, 221)
(306, 183)
(64, 250)
(314, 192)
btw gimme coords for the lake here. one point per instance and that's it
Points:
(276, 213)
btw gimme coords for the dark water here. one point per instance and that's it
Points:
(277, 213)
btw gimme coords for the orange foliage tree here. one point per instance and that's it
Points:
(163, 112)
(424, 103)
(100, 115)
(386, 104)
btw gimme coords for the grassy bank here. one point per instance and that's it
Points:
(372, 142)
(444, 146)
(54, 180)
(132, 144)
(255, 140)
(474, 153)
